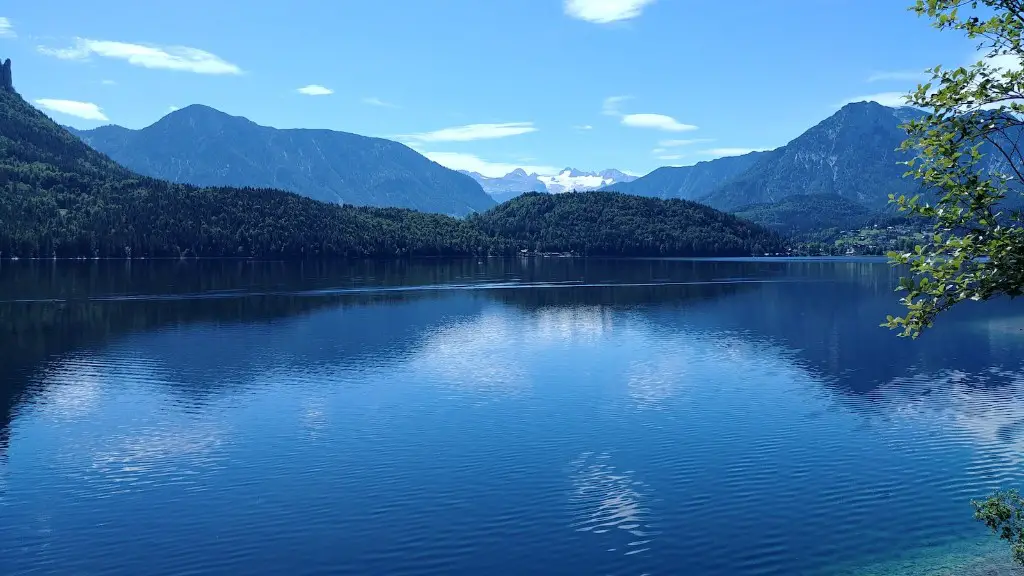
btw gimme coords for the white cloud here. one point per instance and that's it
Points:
(108, 82)
(374, 101)
(899, 77)
(172, 108)
(181, 58)
(657, 122)
(1001, 62)
(605, 11)
(314, 90)
(610, 106)
(471, 132)
(891, 99)
(676, 143)
(583, 127)
(6, 28)
(473, 163)
(85, 110)
(719, 152)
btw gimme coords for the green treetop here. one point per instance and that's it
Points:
(969, 161)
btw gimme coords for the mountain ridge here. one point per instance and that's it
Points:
(204, 146)
(853, 153)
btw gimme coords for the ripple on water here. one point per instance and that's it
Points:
(612, 505)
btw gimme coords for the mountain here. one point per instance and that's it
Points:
(803, 213)
(512, 184)
(205, 147)
(612, 224)
(517, 182)
(571, 179)
(688, 182)
(852, 154)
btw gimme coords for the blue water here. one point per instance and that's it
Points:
(498, 417)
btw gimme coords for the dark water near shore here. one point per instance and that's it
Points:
(499, 417)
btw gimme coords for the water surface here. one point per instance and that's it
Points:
(497, 417)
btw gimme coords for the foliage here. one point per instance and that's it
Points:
(976, 251)
(608, 223)
(1003, 513)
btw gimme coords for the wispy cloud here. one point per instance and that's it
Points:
(6, 28)
(85, 110)
(657, 122)
(314, 90)
(583, 127)
(892, 99)
(471, 132)
(605, 11)
(671, 156)
(108, 82)
(182, 58)
(719, 152)
(173, 108)
(612, 104)
(374, 101)
(905, 76)
(473, 163)
(677, 143)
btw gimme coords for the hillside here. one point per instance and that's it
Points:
(688, 182)
(61, 198)
(804, 213)
(205, 147)
(607, 223)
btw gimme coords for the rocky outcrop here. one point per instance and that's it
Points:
(5, 76)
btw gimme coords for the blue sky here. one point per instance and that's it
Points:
(486, 85)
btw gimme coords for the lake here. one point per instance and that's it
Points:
(544, 416)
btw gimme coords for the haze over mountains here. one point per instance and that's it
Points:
(206, 147)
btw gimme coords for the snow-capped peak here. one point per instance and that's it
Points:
(568, 180)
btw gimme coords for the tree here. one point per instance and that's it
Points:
(970, 166)
(968, 157)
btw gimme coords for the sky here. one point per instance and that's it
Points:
(483, 85)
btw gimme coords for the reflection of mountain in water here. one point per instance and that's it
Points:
(230, 320)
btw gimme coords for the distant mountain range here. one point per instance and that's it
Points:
(848, 163)
(518, 182)
(206, 147)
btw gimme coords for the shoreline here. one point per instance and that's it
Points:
(976, 557)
